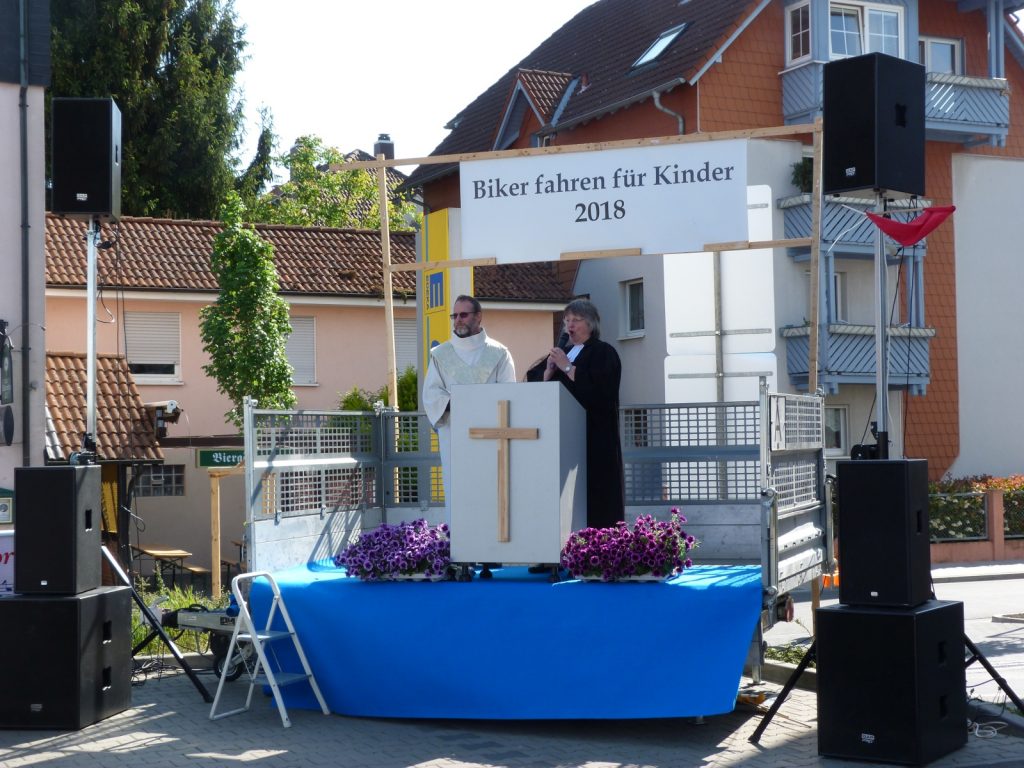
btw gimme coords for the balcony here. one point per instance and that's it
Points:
(848, 356)
(965, 110)
(845, 231)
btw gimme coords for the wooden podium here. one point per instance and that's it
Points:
(518, 473)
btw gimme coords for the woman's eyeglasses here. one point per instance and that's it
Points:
(461, 315)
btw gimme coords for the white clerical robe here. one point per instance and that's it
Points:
(476, 359)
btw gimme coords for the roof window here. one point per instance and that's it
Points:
(665, 39)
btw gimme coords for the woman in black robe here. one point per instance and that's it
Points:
(590, 369)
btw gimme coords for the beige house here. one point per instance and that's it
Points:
(154, 278)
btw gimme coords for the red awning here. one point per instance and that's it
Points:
(911, 232)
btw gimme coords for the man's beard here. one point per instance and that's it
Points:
(463, 331)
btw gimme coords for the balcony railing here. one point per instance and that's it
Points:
(845, 231)
(966, 110)
(848, 356)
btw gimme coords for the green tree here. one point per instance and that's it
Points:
(250, 185)
(170, 66)
(244, 332)
(316, 196)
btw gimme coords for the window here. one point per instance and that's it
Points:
(153, 346)
(664, 40)
(839, 296)
(798, 30)
(836, 441)
(941, 55)
(856, 29)
(161, 480)
(632, 308)
(300, 349)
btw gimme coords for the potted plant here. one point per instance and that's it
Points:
(649, 550)
(410, 550)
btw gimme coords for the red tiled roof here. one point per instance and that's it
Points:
(599, 46)
(545, 89)
(174, 255)
(124, 428)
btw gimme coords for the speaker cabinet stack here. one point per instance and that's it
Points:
(873, 126)
(891, 682)
(890, 659)
(68, 651)
(68, 658)
(86, 158)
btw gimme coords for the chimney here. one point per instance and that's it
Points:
(384, 146)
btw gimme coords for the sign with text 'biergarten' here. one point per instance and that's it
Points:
(219, 457)
(671, 198)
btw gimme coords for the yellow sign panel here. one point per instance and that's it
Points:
(437, 284)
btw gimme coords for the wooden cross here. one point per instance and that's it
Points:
(503, 433)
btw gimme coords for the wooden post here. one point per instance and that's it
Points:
(389, 310)
(215, 585)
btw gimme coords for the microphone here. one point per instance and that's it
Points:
(563, 340)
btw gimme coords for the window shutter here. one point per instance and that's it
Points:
(153, 337)
(301, 350)
(405, 345)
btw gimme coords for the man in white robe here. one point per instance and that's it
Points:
(469, 357)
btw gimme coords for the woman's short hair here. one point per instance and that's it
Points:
(586, 311)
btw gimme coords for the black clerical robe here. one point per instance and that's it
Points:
(596, 388)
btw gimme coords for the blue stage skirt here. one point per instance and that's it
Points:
(519, 647)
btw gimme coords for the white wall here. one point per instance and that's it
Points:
(11, 268)
(990, 313)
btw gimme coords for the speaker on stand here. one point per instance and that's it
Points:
(86, 158)
(873, 126)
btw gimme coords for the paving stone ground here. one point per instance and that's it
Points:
(168, 726)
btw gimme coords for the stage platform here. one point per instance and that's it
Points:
(519, 647)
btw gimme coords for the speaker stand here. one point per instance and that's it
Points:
(977, 655)
(157, 629)
(810, 656)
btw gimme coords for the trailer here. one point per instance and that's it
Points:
(749, 476)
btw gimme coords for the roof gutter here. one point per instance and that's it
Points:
(664, 88)
(26, 402)
(680, 121)
(717, 57)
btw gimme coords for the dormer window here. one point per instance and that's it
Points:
(665, 39)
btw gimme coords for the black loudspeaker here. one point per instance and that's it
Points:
(884, 542)
(891, 682)
(57, 533)
(86, 157)
(67, 660)
(873, 123)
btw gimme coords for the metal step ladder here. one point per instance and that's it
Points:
(254, 648)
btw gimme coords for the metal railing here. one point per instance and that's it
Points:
(748, 475)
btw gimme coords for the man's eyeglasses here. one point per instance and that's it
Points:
(461, 315)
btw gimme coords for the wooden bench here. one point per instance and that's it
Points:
(198, 572)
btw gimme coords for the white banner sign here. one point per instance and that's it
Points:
(661, 199)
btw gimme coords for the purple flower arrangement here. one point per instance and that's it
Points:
(394, 551)
(650, 548)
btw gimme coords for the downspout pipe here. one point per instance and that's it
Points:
(680, 121)
(26, 433)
